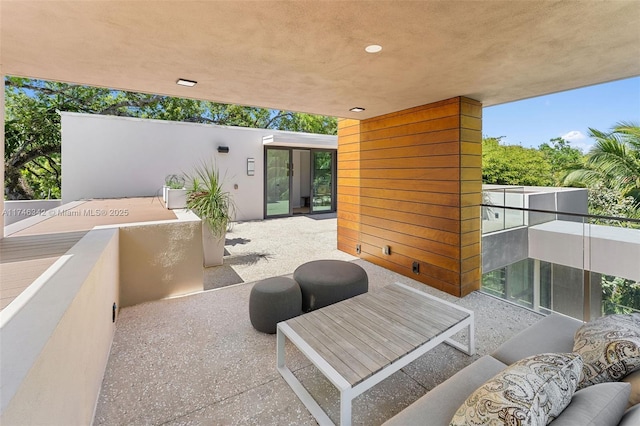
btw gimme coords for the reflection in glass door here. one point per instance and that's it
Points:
(322, 181)
(277, 183)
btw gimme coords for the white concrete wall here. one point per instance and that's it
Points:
(56, 337)
(16, 210)
(301, 177)
(111, 157)
(297, 171)
(603, 249)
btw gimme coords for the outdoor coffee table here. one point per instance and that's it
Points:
(361, 341)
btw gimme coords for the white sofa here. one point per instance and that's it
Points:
(599, 405)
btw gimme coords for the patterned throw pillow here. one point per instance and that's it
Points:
(610, 348)
(532, 392)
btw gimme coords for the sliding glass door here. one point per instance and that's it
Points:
(299, 180)
(322, 181)
(278, 170)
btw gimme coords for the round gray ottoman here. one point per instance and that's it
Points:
(274, 300)
(324, 282)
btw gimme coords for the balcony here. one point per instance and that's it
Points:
(542, 251)
(195, 358)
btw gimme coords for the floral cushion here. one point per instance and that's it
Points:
(532, 391)
(610, 348)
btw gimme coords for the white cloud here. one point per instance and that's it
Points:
(579, 140)
(574, 136)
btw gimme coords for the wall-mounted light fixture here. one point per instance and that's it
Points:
(251, 166)
(223, 149)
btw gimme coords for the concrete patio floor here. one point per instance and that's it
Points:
(196, 360)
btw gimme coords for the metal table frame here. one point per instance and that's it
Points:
(347, 392)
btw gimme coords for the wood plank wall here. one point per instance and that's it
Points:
(348, 190)
(412, 180)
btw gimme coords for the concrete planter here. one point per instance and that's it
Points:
(176, 198)
(165, 188)
(212, 247)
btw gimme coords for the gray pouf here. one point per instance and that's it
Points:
(324, 282)
(274, 300)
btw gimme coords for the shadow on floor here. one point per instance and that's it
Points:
(235, 242)
(220, 276)
(225, 275)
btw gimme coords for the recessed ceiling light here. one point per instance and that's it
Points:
(373, 48)
(356, 109)
(187, 83)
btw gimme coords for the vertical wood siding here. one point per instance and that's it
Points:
(412, 180)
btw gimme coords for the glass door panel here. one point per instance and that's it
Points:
(322, 181)
(277, 182)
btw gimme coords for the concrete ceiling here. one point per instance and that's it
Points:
(309, 56)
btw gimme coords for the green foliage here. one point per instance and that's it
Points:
(322, 173)
(562, 157)
(614, 161)
(494, 282)
(174, 181)
(619, 295)
(513, 164)
(32, 124)
(207, 198)
(43, 175)
(605, 201)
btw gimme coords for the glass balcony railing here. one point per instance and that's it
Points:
(580, 265)
(496, 216)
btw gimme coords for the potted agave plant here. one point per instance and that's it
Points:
(214, 205)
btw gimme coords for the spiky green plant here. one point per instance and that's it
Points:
(613, 161)
(174, 181)
(209, 200)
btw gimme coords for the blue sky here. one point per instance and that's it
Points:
(569, 114)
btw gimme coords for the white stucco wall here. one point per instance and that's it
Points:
(112, 157)
(603, 249)
(56, 337)
(17, 210)
(297, 169)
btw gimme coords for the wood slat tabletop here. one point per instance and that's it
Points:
(360, 336)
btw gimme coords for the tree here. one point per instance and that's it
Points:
(614, 161)
(32, 129)
(605, 201)
(513, 164)
(620, 296)
(32, 125)
(562, 157)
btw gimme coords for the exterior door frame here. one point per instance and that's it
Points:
(266, 183)
(334, 163)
